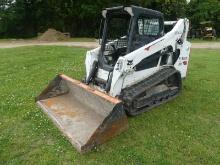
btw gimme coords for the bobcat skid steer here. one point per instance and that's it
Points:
(136, 68)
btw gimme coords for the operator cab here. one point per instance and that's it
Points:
(125, 29)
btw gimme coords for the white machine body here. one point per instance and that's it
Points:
(124, 75)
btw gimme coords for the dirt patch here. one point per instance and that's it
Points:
(90, 45)
(52, 35)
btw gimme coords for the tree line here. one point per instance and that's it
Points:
(81, 18)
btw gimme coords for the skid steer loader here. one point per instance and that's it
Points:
(136, 68)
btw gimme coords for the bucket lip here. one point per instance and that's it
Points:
(91, 90)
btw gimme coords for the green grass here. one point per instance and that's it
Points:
(183, 131)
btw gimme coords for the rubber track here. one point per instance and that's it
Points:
(130, 94)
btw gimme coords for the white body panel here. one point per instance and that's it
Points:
(183, 60)
(91, 56)
(102, 74)
(133, 77)
(170, 22)
(124, 74)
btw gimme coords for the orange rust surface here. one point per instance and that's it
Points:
(114, 129)
(63, 113)
(111, 130)
(91, 90)
(49, 103)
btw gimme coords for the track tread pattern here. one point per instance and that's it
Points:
(130, 95)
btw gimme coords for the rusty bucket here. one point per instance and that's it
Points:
(87, 117)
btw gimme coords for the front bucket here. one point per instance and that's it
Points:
(84, 115)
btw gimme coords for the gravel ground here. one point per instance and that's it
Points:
(32, 43)
(208, 45)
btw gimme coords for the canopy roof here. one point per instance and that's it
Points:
(131, 10)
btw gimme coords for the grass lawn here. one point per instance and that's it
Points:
(183, 131)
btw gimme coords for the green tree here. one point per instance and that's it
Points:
(205, 10)
(25, 18)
